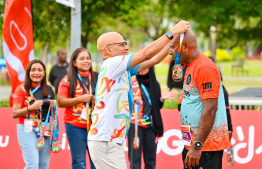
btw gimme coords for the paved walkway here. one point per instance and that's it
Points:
(5, 92)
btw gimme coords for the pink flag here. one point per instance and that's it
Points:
(17, 40)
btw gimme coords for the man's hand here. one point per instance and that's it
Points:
(180, 27)
(192, 157)
(169, 94)
(230, 134)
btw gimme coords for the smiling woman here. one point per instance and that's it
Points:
(76, 93)
(32, 100)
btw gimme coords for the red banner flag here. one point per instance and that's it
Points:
(17, 40)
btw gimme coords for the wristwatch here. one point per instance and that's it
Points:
(198, 144)
(169, 35)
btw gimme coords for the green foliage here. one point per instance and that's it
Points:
(4, 103)
(223, 55)
(96, 13)
(238, 53)
(170, 104)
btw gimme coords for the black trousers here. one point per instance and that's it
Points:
(208, 159)
(147, 144)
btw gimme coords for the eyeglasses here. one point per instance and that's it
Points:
(123, 44)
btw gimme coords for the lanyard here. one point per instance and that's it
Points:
(89, 76)
(147, 94)
(31, 93)
(179, 49)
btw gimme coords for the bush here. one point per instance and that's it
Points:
(223, 55)
(238, 53)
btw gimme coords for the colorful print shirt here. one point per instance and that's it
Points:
(202, 81)
(114, 100)
(142, 121)
(72, 114)
(21, 97)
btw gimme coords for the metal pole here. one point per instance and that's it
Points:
(75, 36)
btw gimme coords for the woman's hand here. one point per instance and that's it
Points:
(37, 105)
(52, 103)
(86, 98)
(137, 99)
(169, 94)
(93, 100)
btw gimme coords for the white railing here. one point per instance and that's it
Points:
(248, 103)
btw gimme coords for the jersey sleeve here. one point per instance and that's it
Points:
(19, 95)
(133, 71)
(63, 88)
(115, 66)
(208, 82)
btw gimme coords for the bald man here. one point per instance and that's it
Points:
(114, 95)
(203, 115)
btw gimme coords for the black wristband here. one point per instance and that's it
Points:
(27, 109)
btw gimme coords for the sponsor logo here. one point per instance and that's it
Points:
(2, 142)
(186, 93)
(188, 80)
(207, 87)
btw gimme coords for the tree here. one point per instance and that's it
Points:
(218, 20)
(94, 13)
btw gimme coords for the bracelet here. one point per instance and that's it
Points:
(161, 99)
(27, 109)
(229, 131)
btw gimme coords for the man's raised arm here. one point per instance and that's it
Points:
(155, 47)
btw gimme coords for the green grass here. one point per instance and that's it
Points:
(2, 83)
(4, 103)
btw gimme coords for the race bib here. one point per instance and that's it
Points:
(48, 130)
(186, 135)
(28, 125)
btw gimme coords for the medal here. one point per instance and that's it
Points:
(177, 70)
(41, 140)
(136, 138)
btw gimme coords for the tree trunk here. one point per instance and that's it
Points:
(212, 44)
(44, 53)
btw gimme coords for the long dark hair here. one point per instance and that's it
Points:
(72, 71)
(27, 82)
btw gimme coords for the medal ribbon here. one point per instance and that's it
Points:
(147, 95)
(41, 140)
(87, 91)
(31, 95)
(136, 138)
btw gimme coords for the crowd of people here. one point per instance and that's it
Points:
(99, 106)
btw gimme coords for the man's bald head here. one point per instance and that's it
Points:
(108, 38)
(188, 49)
(111, 44)
(189, 37)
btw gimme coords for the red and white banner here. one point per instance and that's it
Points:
(17, 40)
(247, 142)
